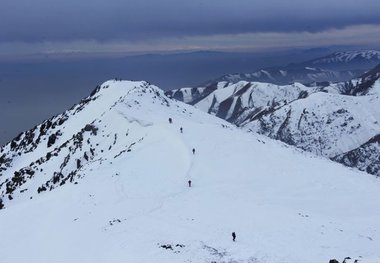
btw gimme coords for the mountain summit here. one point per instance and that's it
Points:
(108, 181)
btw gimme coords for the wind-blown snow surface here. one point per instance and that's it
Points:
(131, 202)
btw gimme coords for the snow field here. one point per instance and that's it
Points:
(285, 205)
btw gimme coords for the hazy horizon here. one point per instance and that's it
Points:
(33, 91)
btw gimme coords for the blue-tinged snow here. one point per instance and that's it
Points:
(285, 205)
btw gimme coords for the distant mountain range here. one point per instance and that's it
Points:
(54, 84)
(338, 66)
(347, 60)
(340, 121)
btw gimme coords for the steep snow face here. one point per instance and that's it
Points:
(194, 95)
(244, 100)
(188, 94)
(326, 124)
(129, 200)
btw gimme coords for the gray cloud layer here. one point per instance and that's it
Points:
(102, 20)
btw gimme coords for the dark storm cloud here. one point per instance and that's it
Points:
(104, 20)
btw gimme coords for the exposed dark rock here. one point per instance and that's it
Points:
(91, 128)
(365, 157)
(51, 140)
(168, 246)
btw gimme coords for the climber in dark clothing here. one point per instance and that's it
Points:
(181, 129)
(193, 151)
(233, 236)
(170, 120)
(189, 182)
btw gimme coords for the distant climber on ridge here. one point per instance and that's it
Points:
(170, 120)
(193, 150)
(181, 130)
(233, 236)
(189, 182)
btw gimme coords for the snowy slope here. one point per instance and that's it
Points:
(335, 121)
(236, 102)
(343, 128)
(240, 101)
(323, 123)
(128, 201)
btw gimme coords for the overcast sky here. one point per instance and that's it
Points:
(52, 26)
(35, 32)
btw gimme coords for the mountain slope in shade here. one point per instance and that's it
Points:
(290, 74)
(128, 200)
(365, 157)
(337, 67)
(328, 120)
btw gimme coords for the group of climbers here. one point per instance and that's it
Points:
(181, 130)
(189, 182)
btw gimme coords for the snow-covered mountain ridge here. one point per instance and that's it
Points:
(284, 75)
(336, 67)
(333, 121)
(349, 56)
(125, 196)
(66, 142)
